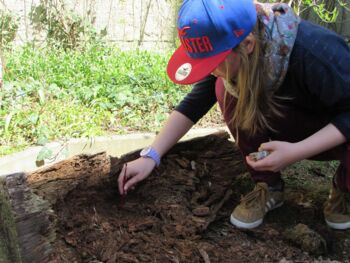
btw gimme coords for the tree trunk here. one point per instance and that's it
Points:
(28, 216)
(28, 222)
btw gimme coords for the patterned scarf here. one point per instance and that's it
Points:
(281, 26)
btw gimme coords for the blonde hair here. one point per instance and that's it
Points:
(256, 101)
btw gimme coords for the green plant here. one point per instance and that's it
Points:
(51, 93)
(326, 10)
(8, 28)
(63, 27)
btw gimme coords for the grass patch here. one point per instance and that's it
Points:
(52, 94)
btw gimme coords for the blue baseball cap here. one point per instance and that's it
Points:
(208, 30)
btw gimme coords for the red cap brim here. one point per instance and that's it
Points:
(185, 70)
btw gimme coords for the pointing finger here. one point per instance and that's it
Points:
(121, 180)
(131, 183)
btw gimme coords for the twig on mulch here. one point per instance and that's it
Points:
(216, 209)
(204, 255)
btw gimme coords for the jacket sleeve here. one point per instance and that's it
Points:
(200, 100)
(327, 75)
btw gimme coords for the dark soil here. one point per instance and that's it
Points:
(181, 214)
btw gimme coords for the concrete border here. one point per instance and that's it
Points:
(115, 145)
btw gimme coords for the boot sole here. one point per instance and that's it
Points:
(243, 225)
(338, 226)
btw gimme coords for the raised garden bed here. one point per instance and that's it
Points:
(72, 212)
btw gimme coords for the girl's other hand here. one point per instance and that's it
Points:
(136, 171)
(281, 155)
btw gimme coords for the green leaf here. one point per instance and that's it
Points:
(103, 32)
(42, 140)
(41, 96)
(8, 120)
(45, 153)
(33, 118)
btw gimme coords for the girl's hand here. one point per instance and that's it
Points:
(281, 155)
(136, 171)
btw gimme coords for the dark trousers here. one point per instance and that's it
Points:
(296, 125)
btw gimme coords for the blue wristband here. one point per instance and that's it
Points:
(149, 152)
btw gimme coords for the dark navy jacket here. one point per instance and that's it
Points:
(317, 80)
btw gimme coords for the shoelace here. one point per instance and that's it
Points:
(259, 193)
